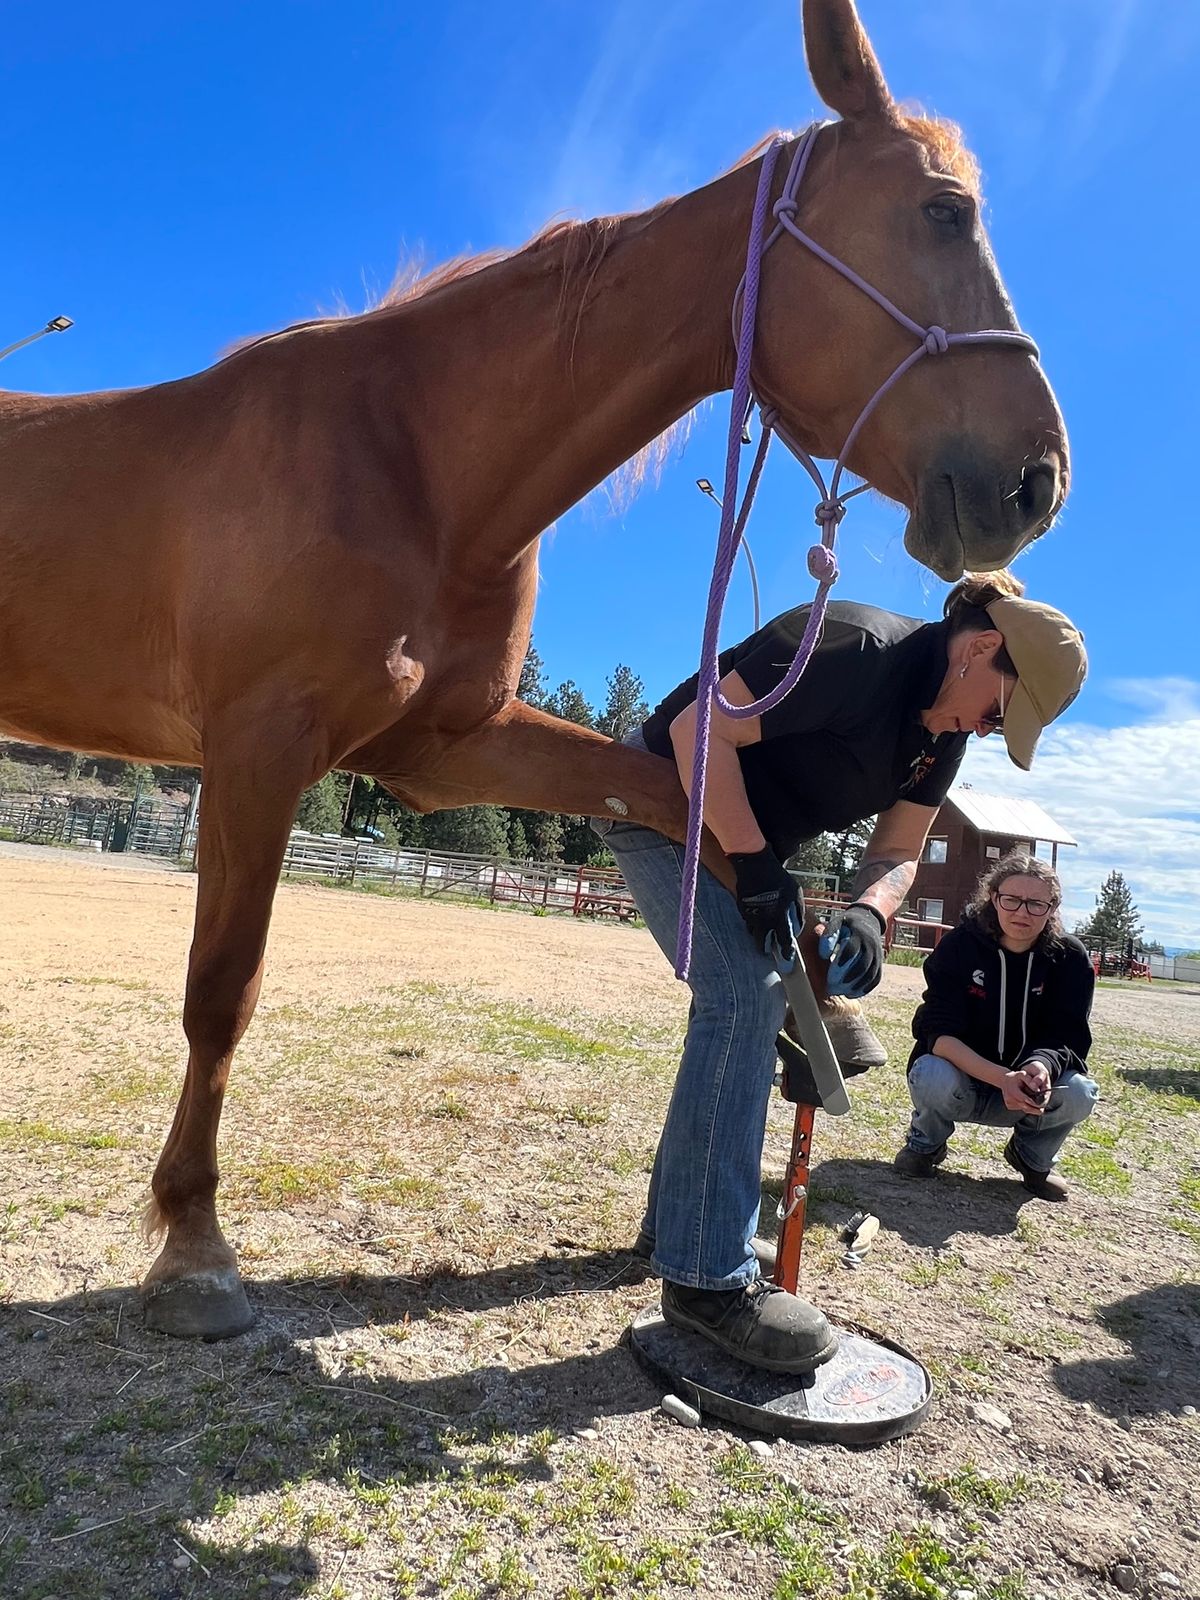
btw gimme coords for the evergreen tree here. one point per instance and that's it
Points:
(626, 707)
(321, 807)
(468, 830)
(546, 839)
(847, 848)
(1115, 920)
(813, 856)
(579, 843)
(518, 840)
(532, 685)
(571, 704)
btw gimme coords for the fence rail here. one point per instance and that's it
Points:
(98, 824)
(539, 885)
(157, 828)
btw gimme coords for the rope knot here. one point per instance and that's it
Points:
(784, 207)
(822, 564)
(936, 341)
(829, 513)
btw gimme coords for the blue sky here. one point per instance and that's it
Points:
(180, 177)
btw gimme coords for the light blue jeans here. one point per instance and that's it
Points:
(702, 1210)
(943, 1096)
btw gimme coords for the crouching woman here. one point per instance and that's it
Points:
(1002, 1033)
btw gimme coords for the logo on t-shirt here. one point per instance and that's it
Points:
(919, 769)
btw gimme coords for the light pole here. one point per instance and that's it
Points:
(55, 325)
(706, 488)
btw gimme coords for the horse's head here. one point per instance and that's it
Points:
(971, 441)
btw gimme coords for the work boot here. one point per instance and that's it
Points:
(916, 1164)
(764, 1251)
(761, 1324)
(1046, 1185)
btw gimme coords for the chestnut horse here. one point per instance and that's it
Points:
(322, 551)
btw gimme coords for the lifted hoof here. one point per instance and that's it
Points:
(854, 1041)
(206, 1305)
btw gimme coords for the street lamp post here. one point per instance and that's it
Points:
(706, 488)
(55, 325)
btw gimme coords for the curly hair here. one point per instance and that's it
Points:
(1016, 864)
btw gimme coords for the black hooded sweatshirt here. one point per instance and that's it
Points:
(1008, 1008)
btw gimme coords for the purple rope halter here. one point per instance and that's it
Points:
(822, 562)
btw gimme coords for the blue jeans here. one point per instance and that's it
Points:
(702, 1210)
(943, 1096)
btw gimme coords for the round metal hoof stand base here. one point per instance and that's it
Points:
(870, 1391)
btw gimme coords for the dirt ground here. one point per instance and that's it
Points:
(433, 1153)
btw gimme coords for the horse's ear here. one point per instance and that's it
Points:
(843, 65)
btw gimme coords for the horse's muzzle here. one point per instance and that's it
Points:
(974, 515)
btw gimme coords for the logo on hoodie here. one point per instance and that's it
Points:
(977, 987)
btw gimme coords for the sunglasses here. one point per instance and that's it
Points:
(996, 720)
(1014, 902)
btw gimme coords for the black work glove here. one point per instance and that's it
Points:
(853, 945)
(771, 904)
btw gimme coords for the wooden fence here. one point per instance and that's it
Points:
(541, 886)
(537, 885)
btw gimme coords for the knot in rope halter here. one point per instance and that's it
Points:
(822, 562)
(822, 565)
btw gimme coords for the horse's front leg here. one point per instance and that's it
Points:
(247, 805)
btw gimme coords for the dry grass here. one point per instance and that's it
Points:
(432, 1182)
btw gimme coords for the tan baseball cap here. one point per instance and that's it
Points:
(1047, 651)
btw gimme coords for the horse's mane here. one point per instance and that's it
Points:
(582, 246)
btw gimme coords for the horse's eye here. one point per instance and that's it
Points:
(944, 212)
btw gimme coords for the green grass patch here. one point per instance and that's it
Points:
(27, 1133)
(968, 1486)
(1097, 1171)
(278, 1183)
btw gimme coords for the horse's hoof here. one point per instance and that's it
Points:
(854, 1042)
(204, 1305)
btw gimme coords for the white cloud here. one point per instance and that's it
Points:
(1164, 699)
(1130, 795)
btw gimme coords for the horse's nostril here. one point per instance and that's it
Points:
(1037, 493)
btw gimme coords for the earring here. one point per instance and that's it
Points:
(963, 673)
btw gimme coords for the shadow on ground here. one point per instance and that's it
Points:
(112, 1438)
(1161, 1373)
(1164, 1080)
(927, 1212)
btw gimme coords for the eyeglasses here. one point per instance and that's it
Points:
(996, 720)
(1014, 902)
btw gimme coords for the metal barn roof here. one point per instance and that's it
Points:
(1000, 814)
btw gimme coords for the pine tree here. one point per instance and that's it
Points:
(1115, 920)
(518, 840)
(813, 857)
(468, 830)
(846, 850)
(547, 836)
(571, 704)
(321, 806)
(532, 685)
(626, 707)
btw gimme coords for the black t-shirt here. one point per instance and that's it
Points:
(848, 741)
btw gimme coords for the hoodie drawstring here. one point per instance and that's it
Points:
(1003, 1005)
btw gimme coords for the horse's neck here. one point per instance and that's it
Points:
(540, 378)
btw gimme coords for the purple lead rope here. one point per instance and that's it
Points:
(822, 562)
